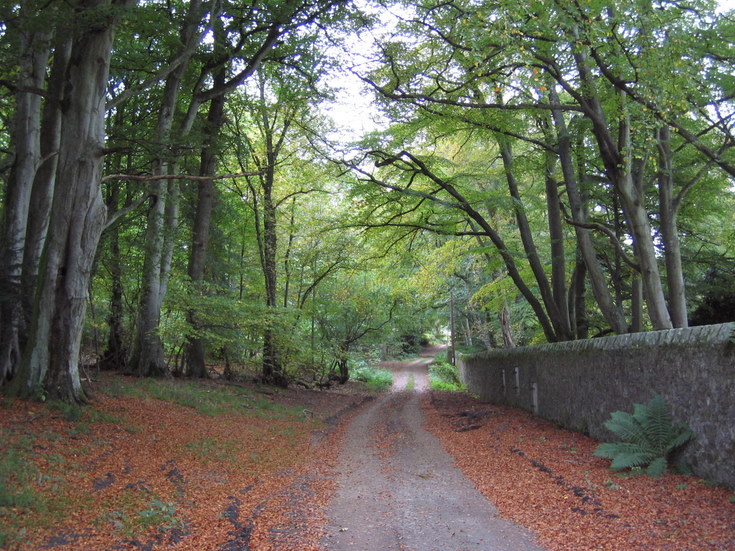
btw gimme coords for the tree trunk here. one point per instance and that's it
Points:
(272, 369)
(616, 157)
(33, 60)
(611, 311)
(577, 299)
(556, 237)
(195, 351)
(669, 234)
(148, 358)
(553, 309)
(115, 354)
(45, 180)
(506, 328)
(51, 361)
(636, 306)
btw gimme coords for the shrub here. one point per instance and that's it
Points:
(648, 438)
(444, 376)
(375, 379)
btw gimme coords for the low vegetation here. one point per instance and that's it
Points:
(648, 437)
(150, 460)
(444, 376)
(374, 378)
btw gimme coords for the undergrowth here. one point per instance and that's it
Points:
(374, 379)
(648, 437)
(444, 376)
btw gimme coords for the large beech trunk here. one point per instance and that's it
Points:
(147, 358)
(33, 59)
(51, 360)
(611, 311)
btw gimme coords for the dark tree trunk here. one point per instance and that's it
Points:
(195, 349)
(115, 354)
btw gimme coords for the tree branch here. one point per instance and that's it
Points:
(613, 239)
(138, 178)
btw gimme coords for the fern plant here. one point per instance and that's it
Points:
(648, 437)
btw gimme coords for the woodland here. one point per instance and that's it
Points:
(182, 193)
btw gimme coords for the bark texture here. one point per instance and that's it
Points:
(51, 361)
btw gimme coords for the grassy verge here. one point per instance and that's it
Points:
(208, 399)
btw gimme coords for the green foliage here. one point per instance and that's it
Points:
(444, 376)
(374, 379)
(161, 514)
(648, 438)
(15, 479)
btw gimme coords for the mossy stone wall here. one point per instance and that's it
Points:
(578, 384)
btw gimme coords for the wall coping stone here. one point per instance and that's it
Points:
(703, 334)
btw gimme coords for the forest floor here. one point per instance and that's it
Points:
(182, 465)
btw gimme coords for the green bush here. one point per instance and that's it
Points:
(444, 376)
(375, 379)
(648, 438)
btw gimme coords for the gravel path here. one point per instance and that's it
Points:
(399, 490)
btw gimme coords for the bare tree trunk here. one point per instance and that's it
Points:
(611, 311)
(45, 180)
(115, 354)
(555, 310)
(556, 237)
(34, 53)
(577, 299)
(272, 368)
(616, 156)
(636, 324)
(51, 361)
(670, 236)
(148, 357)
(507, 329)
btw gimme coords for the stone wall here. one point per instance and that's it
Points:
(578, 384)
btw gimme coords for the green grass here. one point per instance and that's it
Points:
(444, 376)
(374, 379)
(411, 384)
(23, 488)
(207, 399)
(137, 514)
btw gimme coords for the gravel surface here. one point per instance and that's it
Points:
(399, 490)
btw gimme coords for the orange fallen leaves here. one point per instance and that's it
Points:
(547, 479)
(164, 476)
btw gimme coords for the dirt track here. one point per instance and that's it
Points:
(399, 490)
